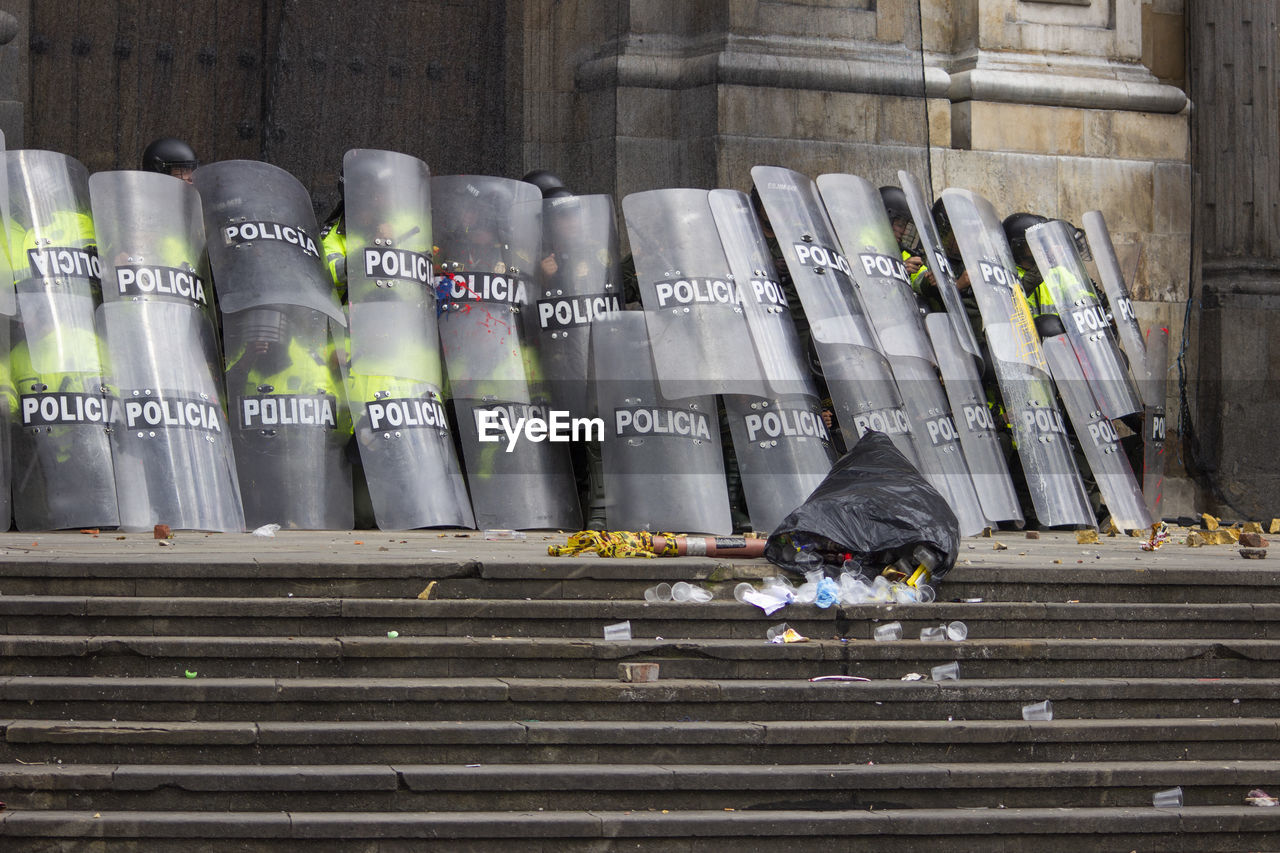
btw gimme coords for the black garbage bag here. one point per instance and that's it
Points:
(874, 509)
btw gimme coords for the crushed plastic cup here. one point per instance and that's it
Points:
(957, 631)
(514, 535)
(1170, 798)
(740, 591)
(775, 632)
(682, 591)
(888, 633)
(945, 672)
(267, 531)
(659, 592)
(618, 631)
(933, 635)
(1038, 711)
(853, 589)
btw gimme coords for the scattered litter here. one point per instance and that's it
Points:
(441, 550)
(957, 631)
(1041, 711)
(426, 591)
(999, 546)
(971, 600)
(888, 633)
(637, 672)
(267, 531)
(1253, 540)
(839, 678)
(618, 631)
(683, 591)
(913, 676)
(1170, 798)
(1253, 553)
(933, 635)
(1259, 797)
(191, 673)
(164, 543)
(946, 672)
(91, 530)
(391, 635)
(783, 633)
(1033, 534)
(358, 542)
(1086, 537)
(122, 537)
(986, 533)
(161, 531)
(502, 533)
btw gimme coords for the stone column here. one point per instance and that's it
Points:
(15, 18)
(1236, 305)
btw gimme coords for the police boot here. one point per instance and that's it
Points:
(596, 519)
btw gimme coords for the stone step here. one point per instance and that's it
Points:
(1203, 829)
(332, 617)
(588, 742)
(1112, 572)
(617, 787)
(178, 698)
(549, 657)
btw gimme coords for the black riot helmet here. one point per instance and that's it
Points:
(904, 227)
(1015, 231)
(546, 182)
(170, 156)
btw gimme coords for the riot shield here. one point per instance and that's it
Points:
(663, 468)
(1088, 327)
(865, 396)
(170, 438)
(978, 431)
(939, 265)
(1098, 438)
(699, 333)
(861, 225)
(1154, 390)
(822, 275)
(579, 279)
(490, 243)
(62, 477)
(764, 300)
(783, 451)
(1039, 430)
(259, 218)
(1113, 284)
(289, 421)
(8, 300)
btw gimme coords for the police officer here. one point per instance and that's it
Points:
(904, 231)
(170, 156)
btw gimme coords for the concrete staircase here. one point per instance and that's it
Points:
(329, 708)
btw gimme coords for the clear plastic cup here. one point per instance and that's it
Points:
(681, 591)
(618, 631)
(888, 632)
(740, 591)
(1170, 798)
(775, 631)
(945, 672)
(926, 594)
(661, 592)
(957, 631)
(1038, 711)
(933, 635)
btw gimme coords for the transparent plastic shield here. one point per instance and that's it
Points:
(1113, 284)
(975, 423)
(151, 240)
(764, 301)
(170, 438)
(697, 327)
(488, 231)
(938, 264)
(289, 420)
(50, 229)
(822, 275)
(865, 396)
(1153, 429)
(937, 442)
(264, 244)
(518, 482)
(663, 467)
(8, 414)
(406, 446)
(394, 338)
(862, 226)
(783, 450)
(578, 280)
(8, 301)
(58, 328)
(1088, 326)
(1038, 426)
(1098, 439)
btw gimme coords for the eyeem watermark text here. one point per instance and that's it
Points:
(514, 422)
